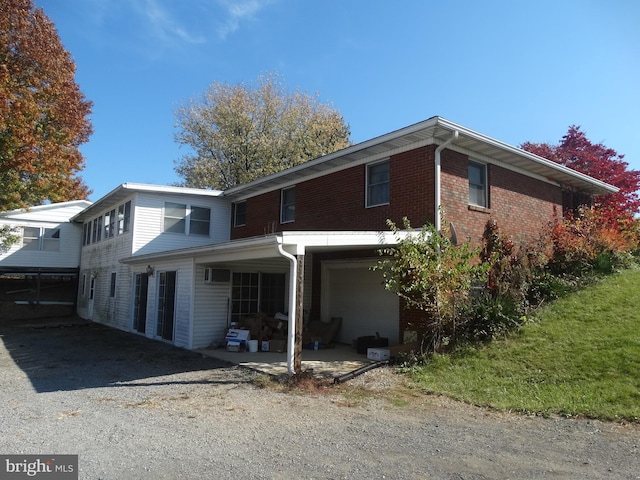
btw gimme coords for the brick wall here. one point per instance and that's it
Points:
(521, 205)
(337, 201)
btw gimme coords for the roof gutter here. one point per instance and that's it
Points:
(438, 181)
(293, 278)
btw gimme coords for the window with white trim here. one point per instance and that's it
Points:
(478, 184)
(378, 184)
(31, 238)
(37, 238)
(186, 219)
(288, 205)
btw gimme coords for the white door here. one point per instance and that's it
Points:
(355, 293)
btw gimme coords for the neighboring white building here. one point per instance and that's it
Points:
(49, 242)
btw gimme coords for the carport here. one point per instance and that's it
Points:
(336, 255)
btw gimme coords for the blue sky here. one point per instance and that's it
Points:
(514, 70)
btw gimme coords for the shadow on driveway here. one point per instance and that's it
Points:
(67, 354)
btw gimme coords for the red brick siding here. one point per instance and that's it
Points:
(337, 201)
(521, 205)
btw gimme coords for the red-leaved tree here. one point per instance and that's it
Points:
(577, 152)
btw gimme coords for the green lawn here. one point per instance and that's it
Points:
(581, 357)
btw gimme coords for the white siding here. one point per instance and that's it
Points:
(211, 310)
(45, 216)
(100, 260)
(148, 223)
(68, 255)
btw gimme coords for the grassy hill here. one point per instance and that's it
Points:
(579, 357)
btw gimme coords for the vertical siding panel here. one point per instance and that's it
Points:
(210, 314)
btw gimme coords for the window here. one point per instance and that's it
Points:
(51, 240)
(110, 224)
(175, 217)
(244, 295)
(199, 221)
(257, 292)
(185, 219)
(240, 214)
(112, 286)
(114, 222)
(86, 234)
(288, 205)
(378, 184)
(31, 238)
(36, 238)
(478, 184)
(124, 217)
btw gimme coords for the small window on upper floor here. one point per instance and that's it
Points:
(378, 184)
(124, 217)
(31, 238)
(288, 205)
(240, 214)
(36, 238)
(51, 240)
(186, 219)
(478, 184)
(175, 217)
(199, 221)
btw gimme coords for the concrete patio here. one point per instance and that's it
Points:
(330, 362)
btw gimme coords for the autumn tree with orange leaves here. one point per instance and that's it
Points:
(43, 113)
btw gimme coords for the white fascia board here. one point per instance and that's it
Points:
(528, 155)
(244, 249)
(143, 187)
(266, 247)
(342, 239)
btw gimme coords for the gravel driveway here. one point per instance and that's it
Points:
(132, 409)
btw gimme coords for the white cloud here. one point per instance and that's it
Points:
(238, 11)
(164, 26)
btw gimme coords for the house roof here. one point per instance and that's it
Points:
(51, 212)
(121, 192)
(435, 130)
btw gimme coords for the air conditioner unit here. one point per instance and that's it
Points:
(217, 275)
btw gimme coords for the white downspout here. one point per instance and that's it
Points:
(293, 277)
(438, 162)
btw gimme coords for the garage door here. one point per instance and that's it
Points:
(356, 294)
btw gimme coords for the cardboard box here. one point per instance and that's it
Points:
(277, 345)
(239, 336)
(378, 354)
(396, 350)
(233, 346)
